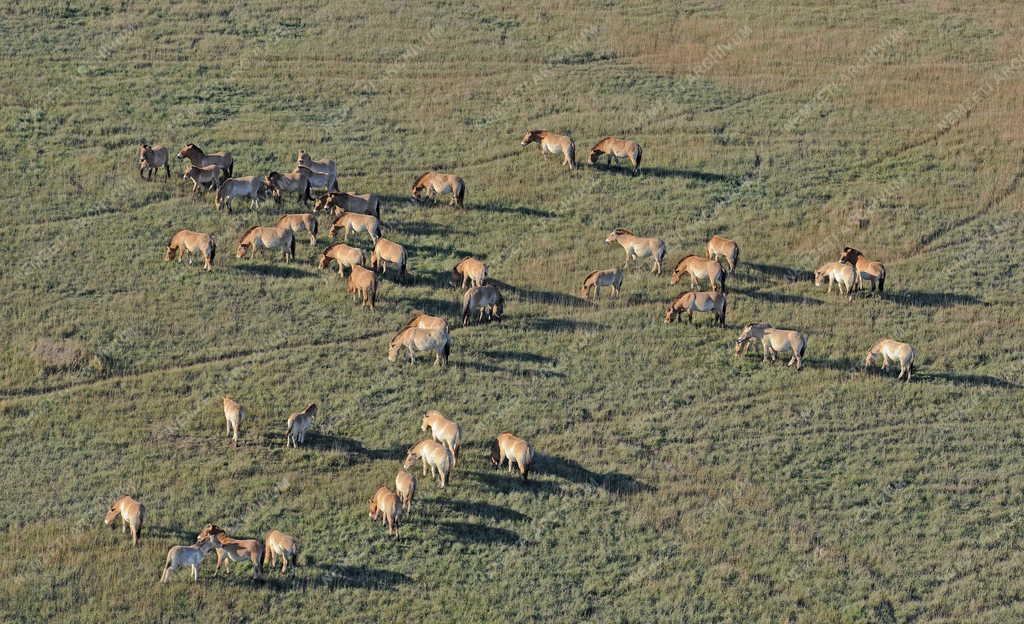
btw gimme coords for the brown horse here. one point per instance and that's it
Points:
(300, 222)
(551, 143)
(191, 242)
(151, 158)
(617, 148)
(691, 302)
(324, 173)
(385, 251)
(199, 158)
(413, 340)
(608, 277)
(230, 549)
(637, 247)
(362, 283)
(267, 238)
(700, 268)
(296, 182)
(132, 514)
(874, 272)
(719, 247)
(340, 202)
(435, 184)
(344, 255)
(469, 270)
(385, 504)
(278, 544)
(481, 301)
(205, 178)
(512, 448)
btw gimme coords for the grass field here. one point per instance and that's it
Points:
(675, 481)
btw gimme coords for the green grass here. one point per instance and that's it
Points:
(675, 481)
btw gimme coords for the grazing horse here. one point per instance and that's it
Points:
(416, 340)
(230, 549)
(186, 556)
(426, 321)
(385, 251)
(278, 544)
(893, 351)
(326, 171)
(551, 143)
(187, 241)
(840, 273)
(512, 448)
(617, 148)
(252, 187)
(233, 415)
(339, 203)
(296, 182)
(198, 158)
(700, 268)
(471, 270)
(773, 341)
(206, 178)
(482, 300)
(436, 183)
(355, 223)
(132, 514)
(267, 238)
(386, 504)
(691, 302)
(298, 424)
(445, 431)
(405, 487)
(433, 454)
(637, 247)
(300, 222)
(608, 277)
(719, 247)
(151, 158)
(362, 283)
(874, 272)
(344, 255)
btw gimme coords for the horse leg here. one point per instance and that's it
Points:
(195, 573)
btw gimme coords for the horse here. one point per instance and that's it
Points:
(151, 158)
(773, 341)
(551, 143)
(481, 300)
(132, 514)
(294, 182)
(405, 487)
(839, 272)
(433, 454)
(617, 148)
(326, 171)
(300, 222)
(187, 241)
(355, 223)
(719, 247)
(445, 431)
(436, 183)
(230, 549)
(340, 202)
(386, 504)
(874, 272)
(416, 340)
(893, 351)
(247, 186)
(344, 255)
(205, 177)
(426, 321)
(691, 302)
(277, 544)
(471, 270)
(233, 415)
(700, 268)
(362, 283)
(298, 424)
(186, 556)
(385, 251)
(593, 283)
(637, 247)
(198, 158)
(316, 179)
(267, 238)
(512, 448)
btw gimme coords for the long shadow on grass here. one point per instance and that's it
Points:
(612, 482)
(490, 368)
(558, 325)
(271, 270)
(446, 308)
(665, 172)
(499, 480)
(519, 210)
(484, 510)
(423, 228)
(773, 297)
(788, 274)
(931, 299)
(468, 532)
(521, 356)
(969, 380)
(362, 577)
(331, 442)
(545, 297)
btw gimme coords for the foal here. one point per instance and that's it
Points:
(233, 414)
(187, 241)
(637, 247)
(893, 351)
(445, 431)
(298, 424)
(151, 158)
(551, 143)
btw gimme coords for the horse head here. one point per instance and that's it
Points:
(495, 453)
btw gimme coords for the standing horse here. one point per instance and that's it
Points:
(471, 270)
(344, 255)
(479, 301)
(637, 247)
(267, 238)
(300, 222)
(512, 448)
(278, 544)
(151, 158)
(252, 187)
(233, 414)
(843, 274)
(691, 302)
(874, 272)
(415, 340)
(434, 455)
(363, 284)
(132, 514)
(340, 203)
(719, 247)
(203, 177)
(326, 171)
(436, 183)
(893, 351)
(230, 549)
(186, 556)
(551, 143)
(700, 268)
(298, 424)
(386, 504)
(197, 157)
(426, 321)
(608, 277)
(355, 223)
(445, 431)
(617, 148)
(405, 487)
(296, 182)
(773, 341)
(191, 242)
(385, 251)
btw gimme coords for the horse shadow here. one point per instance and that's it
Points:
(640, 299)
(178, 534)
(784, 273)
(519, 210)
(467, 532)
(688, 174)
(931, 299)
(437, 278)
(521, 356)
(499, 480)
(969, 380)
(542, 296)
(841, 365)
(483, 510)
(559, 325)
(355, 577)
(331, 442)
(435, 307)
(611, 482)
(434, 250)
(773, 297)
(490, 368)
(423, 228)
(271, 270)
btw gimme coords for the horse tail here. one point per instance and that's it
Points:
(291, 247)
(639, 157)
(315, 230)
(307, 195)
(448, 349)
(213, 249)
(465, 307)
(803, 345)
(721, 278)
(735, 256)
(572, 154)
(264, 554)
(460, 195)
(725, 304)
(881, 281)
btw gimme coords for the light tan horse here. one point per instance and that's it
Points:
(186, 557)
(296, 182)
(700, 268)
(298, 424)
(719, 247)
(197, 157)
(344, 255)
(326, 171)
(339, 202)
(893, 351)
(445, 431)
(187, 241)
(551, 143)
(593, 283)
(426, 321)
(355, 223)
(405, 487)
(151, 158)
(773, 341)
(691, 302)
(132, 514)
(434, 455)
(203, 178)
(385, 251)
(435, 184)
(267, 238)
(511, 448)
(385, 504)
(469, 270)
(841, 273)
(482, 301)
(415, 340)
(252, 187)
(230, 549)
(278, 544)
(300, 222)
(233, 415)
(637, 247)
(617, 148)
(362, 283)
(874, 272)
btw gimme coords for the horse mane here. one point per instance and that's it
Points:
(623, 231)
(602, 141)
(592, 274)
(247, 232)
(422, 177)
(412, 322)
(196, 148)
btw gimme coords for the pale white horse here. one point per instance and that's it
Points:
(893, 351)
(186, 556)
(433, 455)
